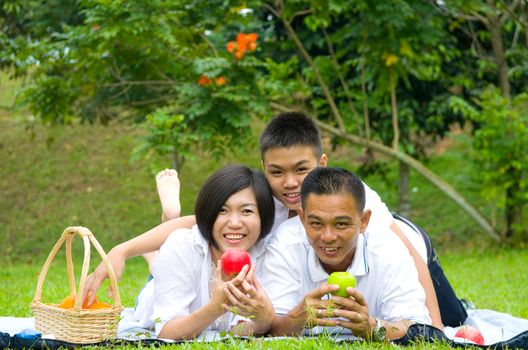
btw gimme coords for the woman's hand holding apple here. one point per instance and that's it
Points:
(250, 300)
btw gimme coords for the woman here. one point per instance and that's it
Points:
(188, 293)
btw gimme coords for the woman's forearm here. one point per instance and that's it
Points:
(190, 326)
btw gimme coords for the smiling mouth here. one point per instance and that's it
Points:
(292, 197)
(234, 237)
(330, 251)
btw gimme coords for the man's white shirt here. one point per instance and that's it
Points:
(384, 271)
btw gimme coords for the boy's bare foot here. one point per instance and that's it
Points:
(168, 185)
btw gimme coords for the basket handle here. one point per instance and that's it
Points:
(87, 237)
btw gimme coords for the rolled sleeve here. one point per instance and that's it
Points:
(174, 281)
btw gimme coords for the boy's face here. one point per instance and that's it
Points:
(333, 223)
(285, 169)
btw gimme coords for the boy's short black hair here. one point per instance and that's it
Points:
(222, 185)
(290, 129)
(333, 181)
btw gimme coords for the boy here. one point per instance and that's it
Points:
(333, 237)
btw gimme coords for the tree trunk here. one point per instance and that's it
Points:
(404, 207)
(512, 213)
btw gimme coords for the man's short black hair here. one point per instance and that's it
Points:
(329, 181)
(223, 184)
(291, 129)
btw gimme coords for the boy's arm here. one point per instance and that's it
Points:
(144, 243)
(424, 277)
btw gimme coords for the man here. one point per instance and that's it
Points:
(333, 237)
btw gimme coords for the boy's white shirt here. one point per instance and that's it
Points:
(384, 270)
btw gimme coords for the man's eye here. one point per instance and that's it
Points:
(315, 224)
(342, 225)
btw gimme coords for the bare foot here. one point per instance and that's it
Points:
(168, 186)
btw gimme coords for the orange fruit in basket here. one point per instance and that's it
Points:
(85, 303)
(100, 305)
(67, 303)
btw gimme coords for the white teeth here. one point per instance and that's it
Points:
(234, 236)
(291, 195)
(330, 249)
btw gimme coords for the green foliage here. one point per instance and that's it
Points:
(501, 150)
(174, 66)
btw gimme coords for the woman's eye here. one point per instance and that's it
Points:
(222, 211)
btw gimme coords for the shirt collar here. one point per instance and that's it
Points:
(359, 266)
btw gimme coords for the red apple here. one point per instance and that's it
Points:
(470, 333)
(343, 280)
(233, 260)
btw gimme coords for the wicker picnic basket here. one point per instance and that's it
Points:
(77, 325)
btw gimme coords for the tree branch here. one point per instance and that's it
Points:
(341, 79)
(421, 169)
(300, 13)
(309, 60)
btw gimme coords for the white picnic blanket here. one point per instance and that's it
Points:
(494, 326)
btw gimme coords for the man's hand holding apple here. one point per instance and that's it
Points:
(354, 313)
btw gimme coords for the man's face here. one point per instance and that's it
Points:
(285, 169)
(332, 224)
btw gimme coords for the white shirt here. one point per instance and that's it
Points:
(181, 281)
(384, 271)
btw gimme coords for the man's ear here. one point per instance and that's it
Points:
(323, 161)
(300, 213)
(365, 218)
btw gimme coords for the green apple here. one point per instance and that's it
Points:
(343, 280)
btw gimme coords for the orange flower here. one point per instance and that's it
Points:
(241, 42)
(231, 46)
(203, 81)
(252, 37)
(239, 55)
(252, 47)
(220, 81)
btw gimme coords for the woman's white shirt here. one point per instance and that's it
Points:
(180, 285)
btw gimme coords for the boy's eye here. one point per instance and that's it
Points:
(275, 173)
(302, 170)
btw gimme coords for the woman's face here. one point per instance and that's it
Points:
(238, 223)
